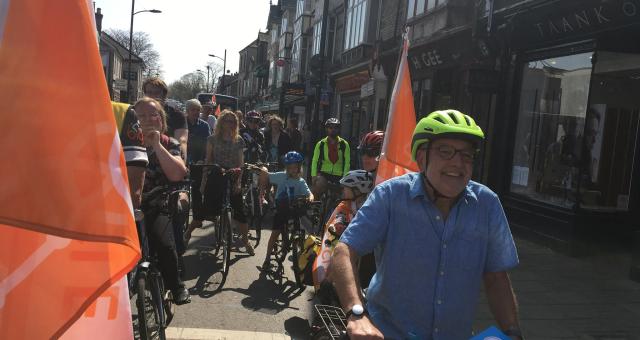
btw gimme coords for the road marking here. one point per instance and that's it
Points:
(179, 333)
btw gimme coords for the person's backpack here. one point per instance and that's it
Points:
(323, 143)
(312, 246)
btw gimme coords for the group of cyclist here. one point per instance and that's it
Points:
(392, 220)
(155, 136)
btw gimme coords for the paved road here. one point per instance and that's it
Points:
(249, 301)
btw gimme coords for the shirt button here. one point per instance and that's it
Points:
(438, 218)
(436, 330)
(444, 246)
(439, 302)
(441, 273)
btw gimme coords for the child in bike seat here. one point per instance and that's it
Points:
(356, 186)
(291, 186)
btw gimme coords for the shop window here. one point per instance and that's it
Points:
(610, 132)
(551, 118)
(577, 130)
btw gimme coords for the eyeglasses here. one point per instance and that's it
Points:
(152, 115)
(447, 152)
(369, 152)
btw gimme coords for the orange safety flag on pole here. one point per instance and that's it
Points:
(67, 233)
(215, 102)
(395, 159)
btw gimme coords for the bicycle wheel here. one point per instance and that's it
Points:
(156, 287)
(217, 236)
(141, 305)
(282, 246)
(149, 325)
(225, 239)
(297, 248)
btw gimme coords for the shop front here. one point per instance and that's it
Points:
(438, 72)
(354, 111)
(571, 116)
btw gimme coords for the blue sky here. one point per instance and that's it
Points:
(188, 30)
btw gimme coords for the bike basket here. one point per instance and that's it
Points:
(333, 319)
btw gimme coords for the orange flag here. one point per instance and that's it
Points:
(395, 159)
(213, 99)
(67, 234)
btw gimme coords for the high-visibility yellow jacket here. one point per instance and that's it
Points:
(322, 163)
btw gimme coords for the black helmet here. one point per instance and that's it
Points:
(332, 121)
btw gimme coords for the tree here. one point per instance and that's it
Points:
(142, 47)
(190, 84)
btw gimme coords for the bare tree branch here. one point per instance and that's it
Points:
(142, 47)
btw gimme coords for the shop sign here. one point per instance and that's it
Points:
(427, 59)
(439, 54)
(367, 89)
(294, 89)
(591, 16)
(352, 82)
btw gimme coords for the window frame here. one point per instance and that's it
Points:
(356, 20)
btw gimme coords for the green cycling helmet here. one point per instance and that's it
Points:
(445, 123)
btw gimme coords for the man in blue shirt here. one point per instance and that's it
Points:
(436, 236)
(198, 133)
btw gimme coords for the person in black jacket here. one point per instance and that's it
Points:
(277, 141)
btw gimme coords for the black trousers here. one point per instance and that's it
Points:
(160, 232)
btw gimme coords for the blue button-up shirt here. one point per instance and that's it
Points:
(429, 269)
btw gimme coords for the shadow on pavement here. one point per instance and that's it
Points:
(268, 297)
(298, 328)
(206, 268)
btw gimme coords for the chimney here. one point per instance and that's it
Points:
(98, 15)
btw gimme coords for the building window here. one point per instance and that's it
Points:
(417, 7)
(272, 73)
(317, 34)
(285, 24)
(356, 23)
(299, 8)
(295, 60)
(411, 9)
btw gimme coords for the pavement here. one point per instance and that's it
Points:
(559, 297)
(250, 304)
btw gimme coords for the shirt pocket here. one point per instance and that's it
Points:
(470, 249)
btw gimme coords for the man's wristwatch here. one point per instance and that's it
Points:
(357, 311)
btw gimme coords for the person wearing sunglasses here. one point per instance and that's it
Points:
(253, 138)
(369, 151)
(437, 236)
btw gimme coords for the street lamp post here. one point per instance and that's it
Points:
(208, 70)
(133, 12)
(224, 67)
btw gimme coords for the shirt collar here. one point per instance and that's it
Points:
(417, 189)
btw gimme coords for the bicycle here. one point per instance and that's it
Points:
(293, 236)
(222, 222)
(253, 200)
(330, 199)
(153, 302)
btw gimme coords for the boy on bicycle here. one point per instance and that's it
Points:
(290, 185)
